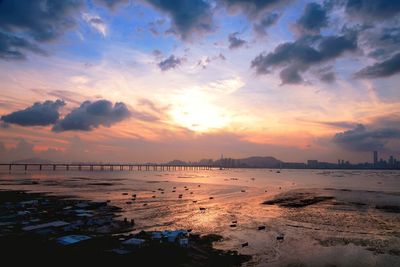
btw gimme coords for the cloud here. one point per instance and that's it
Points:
(290, 75)
(337, 124)
(328, 77)
(362, 139)
(326, 74)
(13, 47)
(234, 41)
(203, 62)
(385, 68)
(252, 7)
(96, 23)
(266, 21)
(169, 63)
(314, 18)
(23, 24)
(369, 10)
(111, 3)
(189, 17)
(157, 53)
(39, 114)
(302, 54)
(90, 115)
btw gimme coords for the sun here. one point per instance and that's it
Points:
(196, 111)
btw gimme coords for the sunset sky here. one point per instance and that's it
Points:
(157, 80)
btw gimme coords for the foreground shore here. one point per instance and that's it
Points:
(41, 228)
(292, 218)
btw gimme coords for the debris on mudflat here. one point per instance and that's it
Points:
(280, 237)
(232, 225)
(261, 227)
(388, 208)
(211, 198)
(297, 200)
(245, 244)
(48, 229)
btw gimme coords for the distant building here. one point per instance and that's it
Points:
(391, 162)
(375, 158)
(312, 163)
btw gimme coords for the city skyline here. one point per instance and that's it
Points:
(391, 163)
(146, 80)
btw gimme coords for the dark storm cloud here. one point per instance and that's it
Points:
(90, 115)
(234, 41)
(373, 9)
(266, 21)
(385, 68)
(362, 139)
(36, 21)
(188, 16)
(170, 63)
(252, 7)
(39, 114)
(314, 18)
(302, 54)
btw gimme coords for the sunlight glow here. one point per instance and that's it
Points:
(196, 111)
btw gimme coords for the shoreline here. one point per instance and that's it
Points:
(44, 228)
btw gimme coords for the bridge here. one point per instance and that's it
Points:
(101, 167)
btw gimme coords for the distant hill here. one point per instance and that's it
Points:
(177, 162)
(33, 161)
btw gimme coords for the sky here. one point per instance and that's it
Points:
(157, 80)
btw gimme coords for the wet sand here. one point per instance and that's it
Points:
(314, 218)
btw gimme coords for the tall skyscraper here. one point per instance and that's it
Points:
(375, 158)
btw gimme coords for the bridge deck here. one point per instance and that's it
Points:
(103, 167)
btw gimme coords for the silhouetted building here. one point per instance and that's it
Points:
(375, 158)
